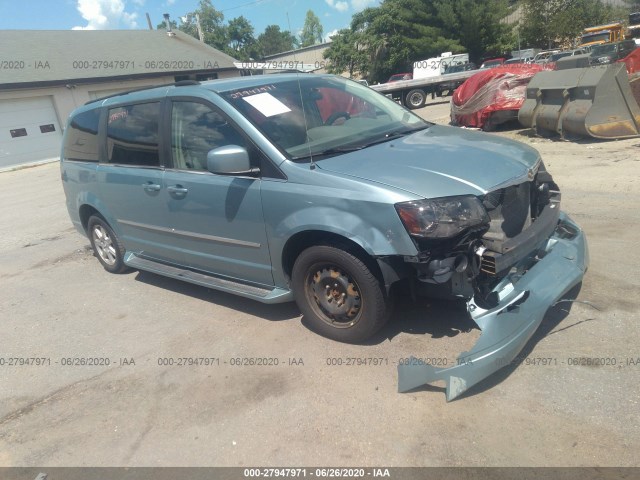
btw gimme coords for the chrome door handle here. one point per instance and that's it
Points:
(177, 189)
(151, 187)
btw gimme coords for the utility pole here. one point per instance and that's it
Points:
(200, 35)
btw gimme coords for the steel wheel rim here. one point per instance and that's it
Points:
(334, 296)
(104, 245)
(415, 99)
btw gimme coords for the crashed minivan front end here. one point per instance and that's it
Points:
(487, 227)
(510, 253)
(509, 282)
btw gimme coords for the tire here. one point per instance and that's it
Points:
(338, 295)
(415, 99)
(106, 245)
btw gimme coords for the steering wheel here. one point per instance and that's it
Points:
(336, 115)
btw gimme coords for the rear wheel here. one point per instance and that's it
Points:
(415, 99)
(106, 245)
(338, 295)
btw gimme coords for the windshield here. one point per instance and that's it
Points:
(399, 76)
(454, 68)
(322, 115)
(595, 37)
(557, 56)
(603, 49)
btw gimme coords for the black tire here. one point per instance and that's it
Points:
(338, 295)
(106, 245)
(415, 99)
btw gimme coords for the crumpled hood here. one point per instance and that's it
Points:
(439, 162)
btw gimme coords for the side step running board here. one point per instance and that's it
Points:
(261, 294)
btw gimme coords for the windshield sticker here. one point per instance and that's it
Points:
(267, 104)
(117, 115)
(252, 91)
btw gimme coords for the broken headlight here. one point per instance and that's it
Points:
(441, 217)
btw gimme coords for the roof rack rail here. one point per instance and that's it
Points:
(181, 83)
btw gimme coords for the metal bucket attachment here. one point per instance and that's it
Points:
(593, 102)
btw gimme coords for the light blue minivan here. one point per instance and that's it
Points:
(318, 189)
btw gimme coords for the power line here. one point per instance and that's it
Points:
(243, 5)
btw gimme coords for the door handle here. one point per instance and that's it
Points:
(177, 189)
(151, 187)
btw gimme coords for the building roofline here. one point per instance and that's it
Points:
(102, 80)
(298, 50)
(76, 55)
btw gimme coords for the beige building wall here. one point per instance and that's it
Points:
(309, 55)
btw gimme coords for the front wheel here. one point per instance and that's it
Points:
(338, 295)
(106, 245)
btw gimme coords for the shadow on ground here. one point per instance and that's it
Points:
(274, 313)
(553, 317)
(436, 318)
(432, 317)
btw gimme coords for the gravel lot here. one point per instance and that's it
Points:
(58, 303)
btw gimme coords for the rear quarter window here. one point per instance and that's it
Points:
(81, 140)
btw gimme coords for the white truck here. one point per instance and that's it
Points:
(427, 76)
(433, 67)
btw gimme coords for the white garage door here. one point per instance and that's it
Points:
(29, 130)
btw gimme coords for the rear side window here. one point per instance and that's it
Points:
(132, 135)
(81, 141)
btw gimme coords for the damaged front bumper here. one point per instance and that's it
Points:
(525, 295)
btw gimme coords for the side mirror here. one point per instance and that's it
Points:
(230, 160)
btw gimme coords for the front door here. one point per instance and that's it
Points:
(217, 220)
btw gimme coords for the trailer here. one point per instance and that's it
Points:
(413, 93)
(525, 53)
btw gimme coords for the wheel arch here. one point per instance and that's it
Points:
(310, 238)
(86, 211)
(90, 204)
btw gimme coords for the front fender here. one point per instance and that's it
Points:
(378, 237)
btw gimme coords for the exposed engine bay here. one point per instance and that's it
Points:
(519, 216)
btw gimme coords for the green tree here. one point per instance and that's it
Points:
(548, 23)
(311, 31)
(275, 41)
(477, 25)
(240, 33)
(632, 6)
(346, 54)
(389, 38)
(163, 25)
(211, 23)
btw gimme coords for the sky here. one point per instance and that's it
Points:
(131, 14)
